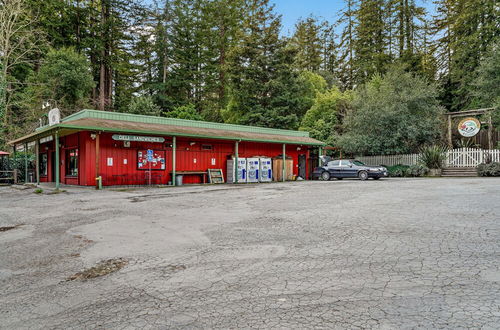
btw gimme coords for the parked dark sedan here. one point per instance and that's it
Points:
(348, 168)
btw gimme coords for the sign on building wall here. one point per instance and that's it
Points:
(155, 160)
(469, 127)
(137, 138)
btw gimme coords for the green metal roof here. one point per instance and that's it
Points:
(139, 124)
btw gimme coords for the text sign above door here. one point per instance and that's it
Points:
(137, 138)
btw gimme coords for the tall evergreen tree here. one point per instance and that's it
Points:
(308, 43)
(263, 85)
(348, 18)
(370, 44)
(465, 30)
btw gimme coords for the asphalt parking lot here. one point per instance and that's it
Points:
(388, 254)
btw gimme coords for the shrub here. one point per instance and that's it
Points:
(38, 191)
(491, 169)
(417, 170)
(397, 171)
(433, 156)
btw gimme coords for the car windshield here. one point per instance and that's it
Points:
(357, 162)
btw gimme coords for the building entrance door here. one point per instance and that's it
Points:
(302, 166)
(52, 176)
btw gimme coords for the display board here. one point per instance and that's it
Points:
(157, 162)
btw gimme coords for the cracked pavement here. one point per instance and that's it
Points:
(388, 254)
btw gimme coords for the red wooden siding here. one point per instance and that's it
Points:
(190, 157)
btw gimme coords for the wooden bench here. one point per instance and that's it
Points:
(199, 173)
(7, 179)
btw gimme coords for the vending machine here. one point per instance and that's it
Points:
(241, 169)
(266, 170)
(253, 169)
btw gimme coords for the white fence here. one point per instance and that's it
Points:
(463, 157)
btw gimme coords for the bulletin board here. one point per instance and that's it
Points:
(158, 162)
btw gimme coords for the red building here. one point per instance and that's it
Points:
(114, 146)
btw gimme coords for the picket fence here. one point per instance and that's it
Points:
(463, 157)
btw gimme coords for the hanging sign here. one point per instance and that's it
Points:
(137, 138)
(469, 127)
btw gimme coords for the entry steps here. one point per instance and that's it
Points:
(459, 172)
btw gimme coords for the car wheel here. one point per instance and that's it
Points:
(376, 178)
(363, 175)
(325, 176)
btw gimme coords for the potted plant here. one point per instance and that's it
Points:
(433, 157)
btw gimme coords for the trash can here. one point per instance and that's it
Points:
(178, 180)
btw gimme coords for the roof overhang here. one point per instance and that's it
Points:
(111, 126)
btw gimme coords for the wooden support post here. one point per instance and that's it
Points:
(25, 162)
(14, 169)
(97, 161)
(37, 161)
(236, 145)
(490, 132)
(284, 162)
(450, 142)
(57, 164)
(174, 151)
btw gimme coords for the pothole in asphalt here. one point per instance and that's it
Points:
(6, 228)
(103, 268)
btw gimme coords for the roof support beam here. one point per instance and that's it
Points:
(236, 164)
(58, 162)
(37, 161)
(174, 151)
(284, 162)
(25, 162)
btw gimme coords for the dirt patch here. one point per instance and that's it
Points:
(176, 268)
(6, 228)
(103, 268)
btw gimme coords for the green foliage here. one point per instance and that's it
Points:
(311, 84)
(308, 43)
(17, 161)
(263, 86)
(38, 191)
(433, 156)
(487, 82)
(417, 170)
(64, 78)
(407, 171)
(491, 169)
(397, 170)
(394, 113)
(465, 29)
(185, 112)
(144, 105)
(322, 118)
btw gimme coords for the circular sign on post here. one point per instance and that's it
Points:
(469, 127)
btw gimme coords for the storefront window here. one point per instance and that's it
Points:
(72, 162)
(43, 164)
